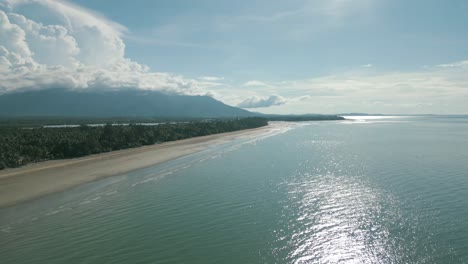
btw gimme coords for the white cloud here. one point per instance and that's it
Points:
(439, 89)
(258, 102)
(303, 98)
(80, 49)
(73, 15)
(433, 82)
(339, 9)
(367, 65)
(211, 78)
(454, 65)
(254, 83)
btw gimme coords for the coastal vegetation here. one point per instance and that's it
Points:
(40, 121)
(299, 118)
(22, 145)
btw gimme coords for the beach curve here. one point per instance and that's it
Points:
(39, 179)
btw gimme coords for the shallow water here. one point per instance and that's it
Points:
(372, 190)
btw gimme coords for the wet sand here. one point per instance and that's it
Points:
(39, 179)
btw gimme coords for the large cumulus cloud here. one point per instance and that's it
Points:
(76, 48)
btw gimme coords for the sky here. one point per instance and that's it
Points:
(270, 56)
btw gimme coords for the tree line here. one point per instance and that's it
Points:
(20, 146)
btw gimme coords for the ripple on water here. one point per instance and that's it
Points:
(322, 193)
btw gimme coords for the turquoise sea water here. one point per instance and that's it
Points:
(372, 190)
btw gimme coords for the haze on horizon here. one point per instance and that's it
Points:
(298, 56)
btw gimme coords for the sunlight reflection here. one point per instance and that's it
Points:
(334, 219)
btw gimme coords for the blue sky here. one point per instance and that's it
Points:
(279, 40)
(297, 56)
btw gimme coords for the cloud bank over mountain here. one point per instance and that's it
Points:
(76, 48)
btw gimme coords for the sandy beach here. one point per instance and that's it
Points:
(39, 179)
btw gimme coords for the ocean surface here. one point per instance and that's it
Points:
(368, 190)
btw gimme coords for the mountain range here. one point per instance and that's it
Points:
(115, 103)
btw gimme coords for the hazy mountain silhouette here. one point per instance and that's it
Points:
(120, 103)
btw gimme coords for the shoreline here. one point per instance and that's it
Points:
(35, 180)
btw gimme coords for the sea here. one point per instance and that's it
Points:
(370, 189)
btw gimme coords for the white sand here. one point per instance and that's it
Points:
(35, 180)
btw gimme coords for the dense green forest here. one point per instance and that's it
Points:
(37, 121)
(20, 146)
